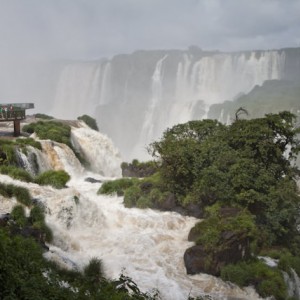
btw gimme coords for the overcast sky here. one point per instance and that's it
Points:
(88, 29)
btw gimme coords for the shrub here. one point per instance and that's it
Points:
(132, 196)
(37, 214)
(116, 186)
(57, 179)
(22, 194)
(50, 130)
(29, 142)
(41, 225)
(288, 261)
(16, 173)
(267, 281)
(89, 121)
(144, 202)
(18, 214)
(43, 116)
(239, 274)
(94, 270)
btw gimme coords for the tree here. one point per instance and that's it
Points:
(246, 164)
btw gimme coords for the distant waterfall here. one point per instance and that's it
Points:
(81, 87)
(136, 97)
(148, 131)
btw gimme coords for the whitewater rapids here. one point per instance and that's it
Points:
(146, 245)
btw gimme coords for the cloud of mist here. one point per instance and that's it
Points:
(35, 31)
(83, 29)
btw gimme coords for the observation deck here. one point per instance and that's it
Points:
(14, 112)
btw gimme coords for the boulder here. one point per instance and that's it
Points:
(92, 180)
(231, 248)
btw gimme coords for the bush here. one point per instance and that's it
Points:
(43, 116)
(22, 194)
(267, 281)
(94, 270)
(239, 274)
(116, 186)
(132, 196)
(16, 173)
(29, 142)
(37, 214)
(18, 214)
(287, 262)
(57, 179)
(50, 130)
(89, 121)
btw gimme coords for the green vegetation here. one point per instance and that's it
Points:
(117, 186)
(28, 142)
(50, 130)
(267, 281)
(247, 168)
(243, 164)
(139, 169)
(22, 194)
(23, 269)
(18, 215)
(143, 193)
(57, 179)
(43, 116)
(91, 122)
(272, 97)
(16, 173)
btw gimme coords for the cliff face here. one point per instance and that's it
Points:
(135, 97)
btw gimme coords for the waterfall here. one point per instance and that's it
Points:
(158, 90)
(33, 160)
(61, 157)
(81, 87)
(98, 150)
(148, 131)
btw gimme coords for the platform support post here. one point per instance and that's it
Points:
(17, 130)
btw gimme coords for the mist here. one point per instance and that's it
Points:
(37, 37)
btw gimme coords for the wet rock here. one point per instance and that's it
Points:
(92, 180)
(231, 248)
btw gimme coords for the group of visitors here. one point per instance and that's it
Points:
(7, 111)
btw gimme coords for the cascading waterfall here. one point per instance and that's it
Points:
(33, 160)
(148, 130)
(94, 146)
(156, 90)
(81, 87)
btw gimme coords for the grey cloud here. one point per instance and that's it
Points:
(83, 29)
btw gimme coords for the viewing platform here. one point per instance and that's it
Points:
(14, 112)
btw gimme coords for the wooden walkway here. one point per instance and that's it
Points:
(14, 112)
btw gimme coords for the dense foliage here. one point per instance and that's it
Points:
(57, 179)
(43, 116)
(50, 130)
(91, 122)
(272, 97)
(25, 274)
(247, 166)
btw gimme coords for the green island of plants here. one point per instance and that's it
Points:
(50, 130)
(247, 169)
(91, 122)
